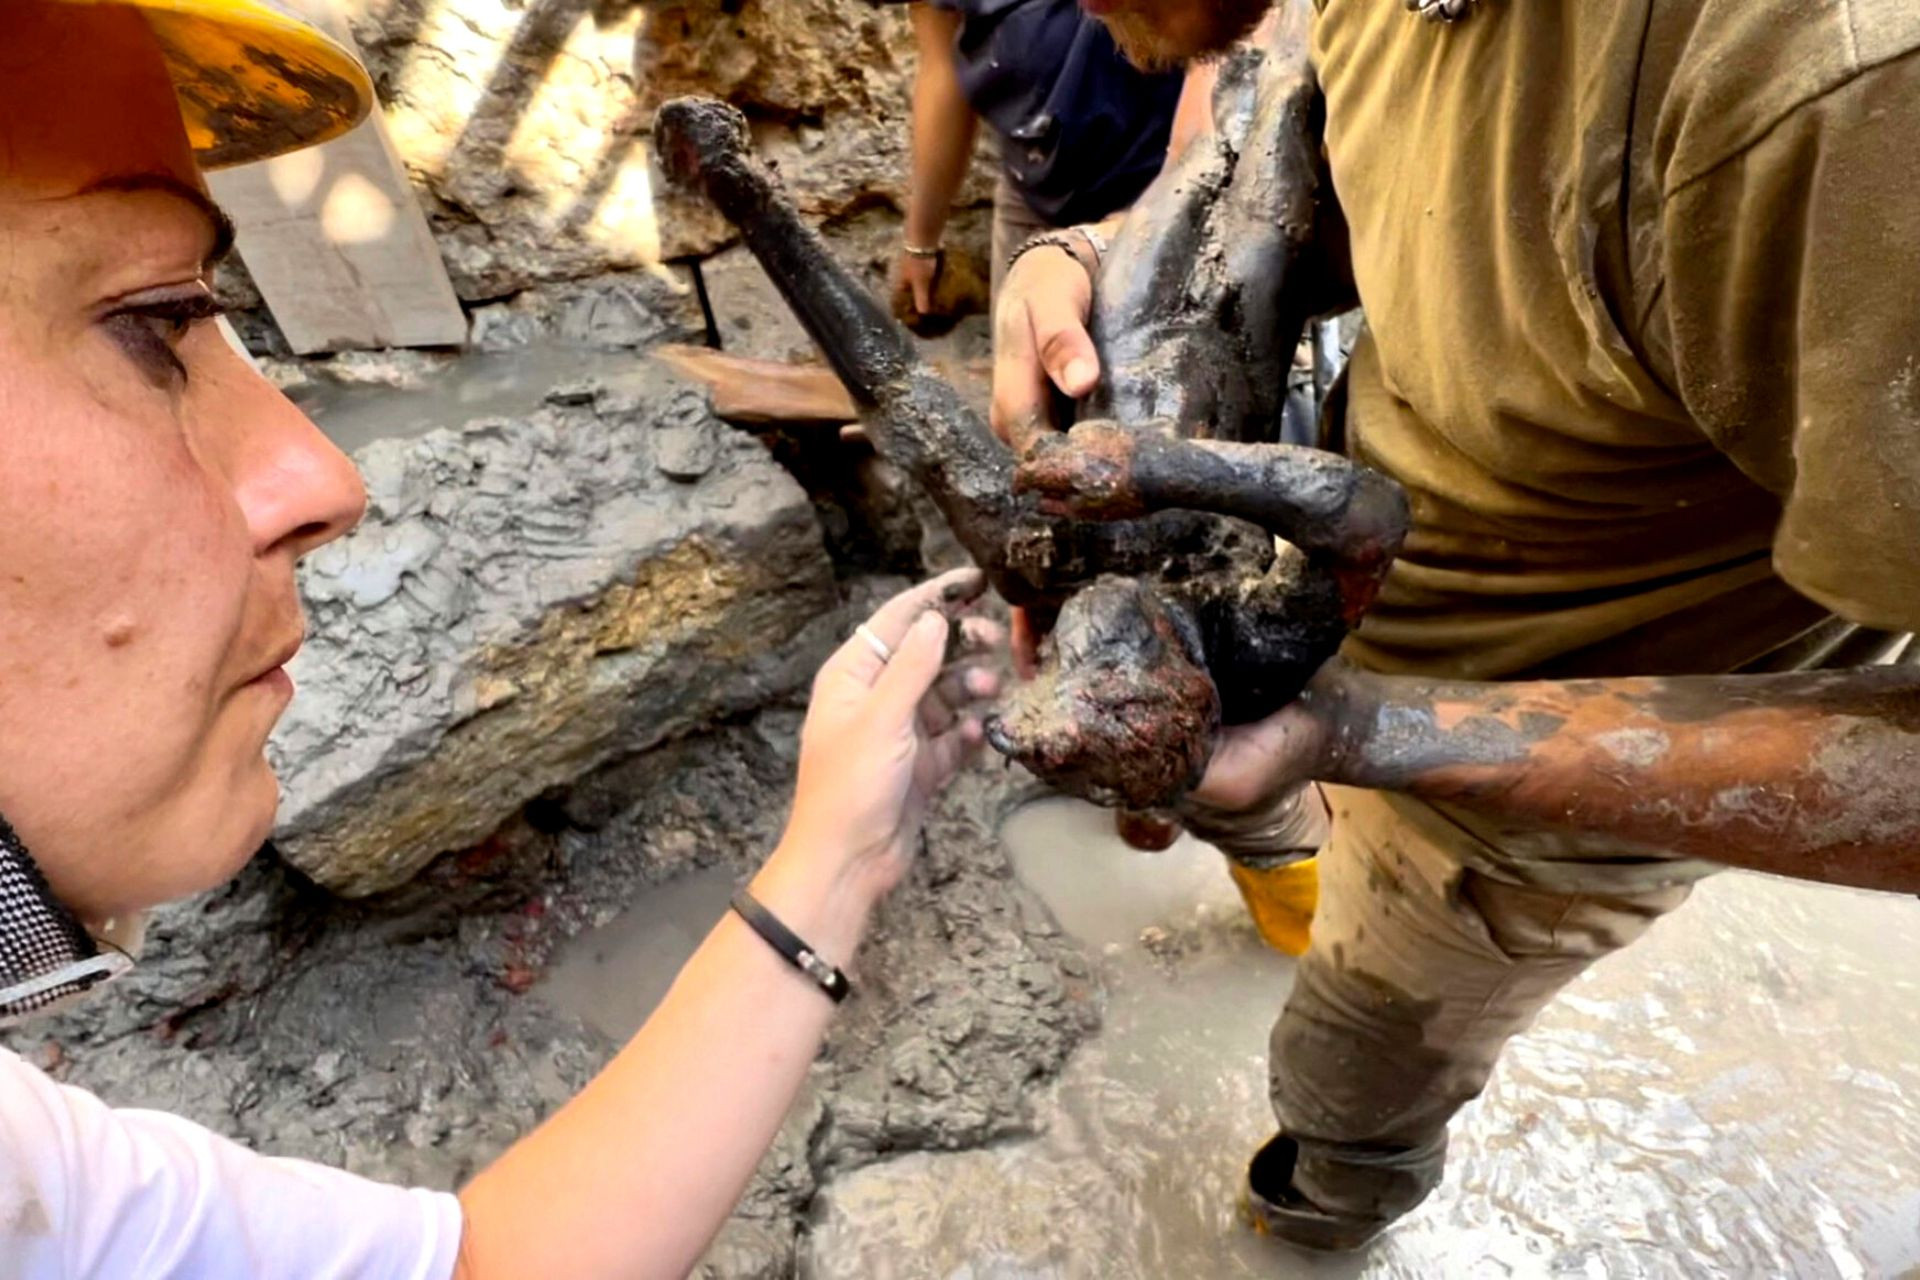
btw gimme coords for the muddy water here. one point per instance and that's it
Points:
(613, 976)
(1737, 1095)
(477, 385)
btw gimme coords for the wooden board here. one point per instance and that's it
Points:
(754, 391)
(749, 390)
(337, 244)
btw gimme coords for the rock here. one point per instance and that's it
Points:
(526, 599)
(383, 1035)
(753, 319)
(622, 310)
(687, 449)
(524, 127)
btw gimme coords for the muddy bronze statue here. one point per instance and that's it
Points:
(1148, 532)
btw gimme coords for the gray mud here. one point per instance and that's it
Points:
(1739, 1094)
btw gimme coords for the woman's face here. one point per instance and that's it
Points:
(155, 491)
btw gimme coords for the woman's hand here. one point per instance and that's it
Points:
(883, 737)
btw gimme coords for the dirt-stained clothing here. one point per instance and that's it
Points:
(1643, 288)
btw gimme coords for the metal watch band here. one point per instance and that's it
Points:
(1064, 240)
(791, 948)
(920, 250)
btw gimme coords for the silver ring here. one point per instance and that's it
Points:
(880, 648)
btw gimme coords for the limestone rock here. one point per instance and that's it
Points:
(524, 126)
(622, 310)
(526, 599)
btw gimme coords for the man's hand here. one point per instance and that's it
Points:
(1806, 775)
(1256, 765)
(1040, 342)
(914, 275)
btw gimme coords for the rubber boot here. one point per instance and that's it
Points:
(1280, 891)
(1277, 1209)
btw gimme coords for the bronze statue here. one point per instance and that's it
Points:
(1146, 535)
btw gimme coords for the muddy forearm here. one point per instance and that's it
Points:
(1813, 775)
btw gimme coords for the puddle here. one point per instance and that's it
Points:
(476, 385)
(612, 977)
(1739, 1094)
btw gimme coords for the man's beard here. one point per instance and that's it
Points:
(1162, 35)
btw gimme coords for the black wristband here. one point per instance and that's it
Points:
(791, 948)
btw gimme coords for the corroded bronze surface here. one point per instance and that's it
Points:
(1147, 533)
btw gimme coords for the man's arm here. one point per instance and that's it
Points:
(1041, 341)
(943, 133)
(1813, 775)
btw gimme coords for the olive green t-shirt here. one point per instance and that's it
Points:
(1642, 281)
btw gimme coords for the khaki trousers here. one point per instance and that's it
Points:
(1427, 956)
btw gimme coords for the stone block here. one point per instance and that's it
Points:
(527, 599)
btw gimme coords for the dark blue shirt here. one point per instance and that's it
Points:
(1082, 130)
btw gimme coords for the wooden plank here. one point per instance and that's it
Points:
(337, 243)
(750, 390)
(753, 391)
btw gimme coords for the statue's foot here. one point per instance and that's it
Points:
(1123, 712)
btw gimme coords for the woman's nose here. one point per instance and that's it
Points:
(296, 488)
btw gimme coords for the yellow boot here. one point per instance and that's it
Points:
(1280, 897)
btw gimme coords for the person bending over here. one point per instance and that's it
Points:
(1642, 289)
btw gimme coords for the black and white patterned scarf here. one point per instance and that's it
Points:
(46, 957)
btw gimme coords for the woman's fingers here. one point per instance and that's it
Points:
(959, 687)
(861, 659)
(914, 667)
(982, 635)
(943, 755)
(963, 684)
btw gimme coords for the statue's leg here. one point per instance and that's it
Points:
(1349, 518)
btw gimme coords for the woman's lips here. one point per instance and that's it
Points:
(276, 681)
(275, 676)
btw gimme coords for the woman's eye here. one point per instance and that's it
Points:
(150, 331)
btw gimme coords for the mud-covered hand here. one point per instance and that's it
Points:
(883, 737)
(1255, 766)
(1040, 342)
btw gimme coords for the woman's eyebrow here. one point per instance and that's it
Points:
(219, 225)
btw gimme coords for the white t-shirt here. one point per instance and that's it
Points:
(88, 1191)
